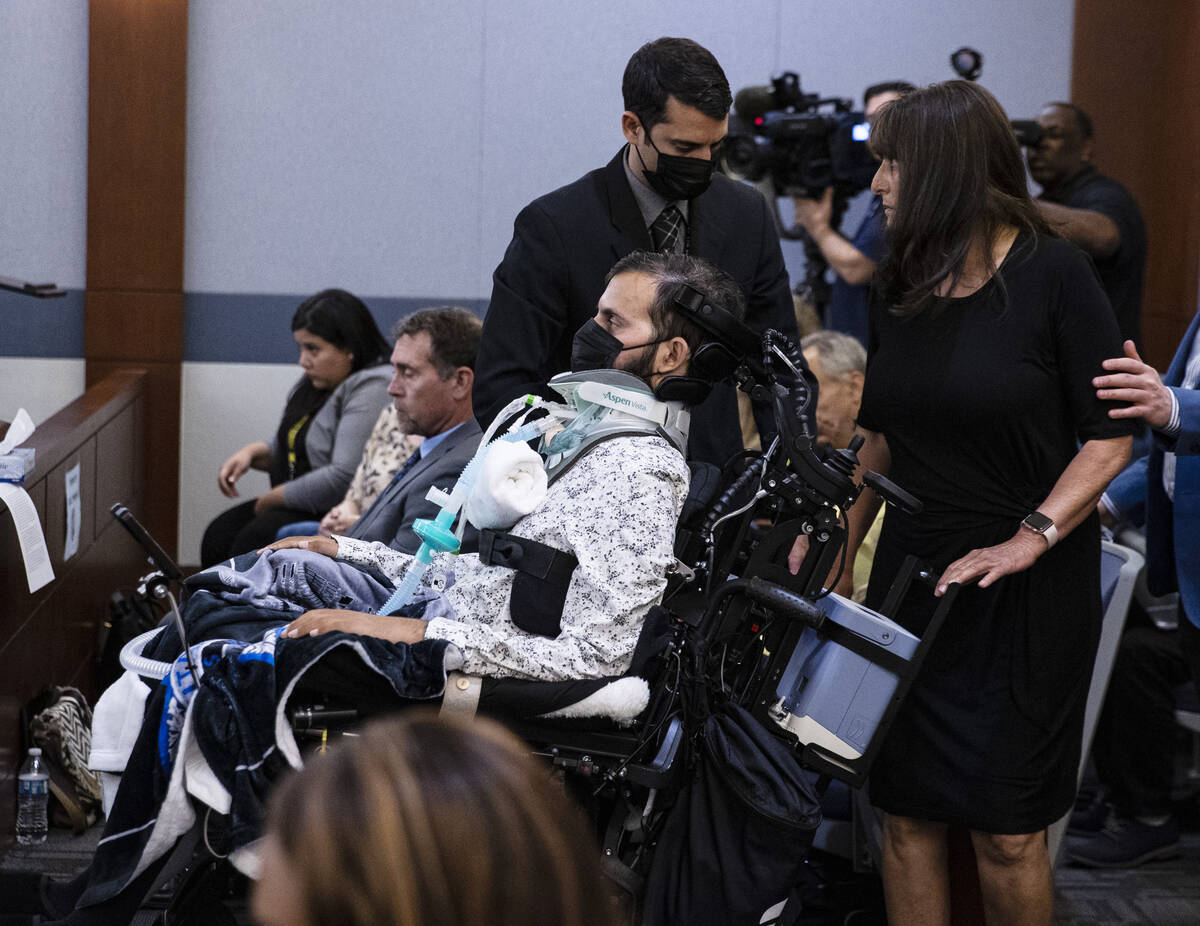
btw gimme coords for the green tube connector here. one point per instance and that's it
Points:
(436, 536)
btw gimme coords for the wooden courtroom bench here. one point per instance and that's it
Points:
(51, 637)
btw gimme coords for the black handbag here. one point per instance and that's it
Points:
(59, 721)
(734, 843)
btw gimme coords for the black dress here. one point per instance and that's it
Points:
(982, 401)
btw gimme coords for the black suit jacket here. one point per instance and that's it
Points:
(553, 272)
(389, 519)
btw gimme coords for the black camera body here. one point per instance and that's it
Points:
(1028, 132)
(802, 141)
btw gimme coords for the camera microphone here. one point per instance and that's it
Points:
(967, 63)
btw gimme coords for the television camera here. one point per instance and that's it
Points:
(800, 143)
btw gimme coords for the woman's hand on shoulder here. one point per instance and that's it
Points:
(326, 546)
(991, 563)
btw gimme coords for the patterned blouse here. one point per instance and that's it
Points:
(384, 453)
(615, 510)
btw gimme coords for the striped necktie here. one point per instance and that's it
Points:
(667, 231)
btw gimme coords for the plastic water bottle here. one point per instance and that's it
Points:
(33, 793)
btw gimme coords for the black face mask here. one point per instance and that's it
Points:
(677, 177)
(595, 349)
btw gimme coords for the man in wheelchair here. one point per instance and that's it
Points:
(559, 590)
(562, 593)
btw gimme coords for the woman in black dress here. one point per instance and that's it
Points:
(986, 334)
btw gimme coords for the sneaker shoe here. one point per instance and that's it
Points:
(1124, 843)
(1089, 820)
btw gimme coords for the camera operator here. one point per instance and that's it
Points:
(1092, 210)
(853, 260)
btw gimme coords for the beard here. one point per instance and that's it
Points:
(407, 424)
(642, 366)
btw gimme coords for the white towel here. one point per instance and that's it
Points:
(510, 484)
(116, 722)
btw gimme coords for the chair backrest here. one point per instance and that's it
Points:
(1119, 568)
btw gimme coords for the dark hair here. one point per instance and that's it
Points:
(961, 180)
(671, 272)
(342, 319)
(425, 821)
(454, 336)
(674, 67)
(888, 86)
(1082, 119)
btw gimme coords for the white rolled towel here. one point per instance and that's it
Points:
(510, 484)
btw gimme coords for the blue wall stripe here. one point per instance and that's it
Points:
(41, 327)
(217, 327)
(256, 328)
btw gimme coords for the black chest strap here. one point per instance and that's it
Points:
(540, 586)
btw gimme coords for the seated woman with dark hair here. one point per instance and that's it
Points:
(422, 821)
(320, 439)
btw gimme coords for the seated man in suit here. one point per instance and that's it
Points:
(423, 439)
(432, 377)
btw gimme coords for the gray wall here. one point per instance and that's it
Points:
(43, 189)
(386, 148)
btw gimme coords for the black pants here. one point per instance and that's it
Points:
(1189, 641)
(1135, 738)
(239, 530)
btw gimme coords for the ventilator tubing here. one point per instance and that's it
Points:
(436, 535)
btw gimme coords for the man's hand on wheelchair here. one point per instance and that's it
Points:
(326, 546)
(325, 620)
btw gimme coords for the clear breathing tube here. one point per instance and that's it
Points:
(436, 535)
(133, 660)
(131, 657)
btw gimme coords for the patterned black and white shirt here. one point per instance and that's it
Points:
(615, 510)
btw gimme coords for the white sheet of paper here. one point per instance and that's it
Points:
(74, 513)
(38, 570)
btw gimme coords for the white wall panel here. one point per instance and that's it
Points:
(224, 407)
(40, 385)
(43, 144)
(552, 93)
(333, 144)
(841, 48)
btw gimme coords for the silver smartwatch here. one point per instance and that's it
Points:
(1040, 524)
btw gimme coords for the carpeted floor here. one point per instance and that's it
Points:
(1156, 894)
(62, 854)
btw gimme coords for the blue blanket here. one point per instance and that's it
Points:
(232, 721)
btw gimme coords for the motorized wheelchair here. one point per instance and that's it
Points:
(728, 631)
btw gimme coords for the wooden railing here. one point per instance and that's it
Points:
(50, 637)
